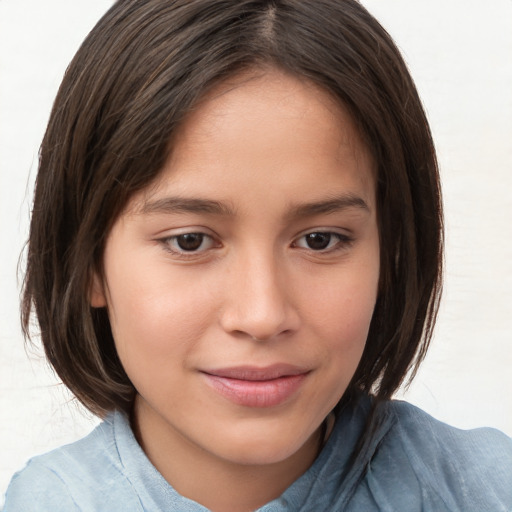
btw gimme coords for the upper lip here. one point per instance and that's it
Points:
(255, 373)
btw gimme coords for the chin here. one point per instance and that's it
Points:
(265, 448)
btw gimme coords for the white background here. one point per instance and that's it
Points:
(459, 52)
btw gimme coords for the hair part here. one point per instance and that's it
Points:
(146, 65)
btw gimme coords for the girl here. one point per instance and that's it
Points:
(235, 259)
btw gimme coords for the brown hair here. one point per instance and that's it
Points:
(137, 74)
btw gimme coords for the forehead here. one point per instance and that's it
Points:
(270, 129)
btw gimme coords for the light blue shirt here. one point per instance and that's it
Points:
(412, 463)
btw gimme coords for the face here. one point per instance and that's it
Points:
(241, 285)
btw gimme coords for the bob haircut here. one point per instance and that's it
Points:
(139, 72)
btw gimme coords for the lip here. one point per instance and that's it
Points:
(257, 387)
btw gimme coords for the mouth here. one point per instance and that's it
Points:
(257, 387)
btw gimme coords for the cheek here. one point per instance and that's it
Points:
(156, 335)
(342, 308)
(155, 317)
(342, 321)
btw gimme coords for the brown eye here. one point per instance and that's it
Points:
(190, 241)
(318, 241)
(323, 241)
(189, 244)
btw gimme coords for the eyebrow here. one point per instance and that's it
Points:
(187, 205)
(328, 206)
(169, 205)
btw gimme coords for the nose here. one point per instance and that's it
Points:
(258, 301)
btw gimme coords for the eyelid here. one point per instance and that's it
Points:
(166, 241)
(344, 240)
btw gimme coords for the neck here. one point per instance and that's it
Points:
(219, 484)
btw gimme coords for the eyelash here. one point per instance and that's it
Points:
(341, 242)
(169, 241)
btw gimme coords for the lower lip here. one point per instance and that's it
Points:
(257, 393)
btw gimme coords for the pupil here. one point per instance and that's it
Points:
(190, 241)
(318, 241)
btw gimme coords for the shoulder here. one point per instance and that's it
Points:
(424, 433)
(38, 488)
(464, 469)
(62, 479)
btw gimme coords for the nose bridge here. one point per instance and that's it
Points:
(258, 303)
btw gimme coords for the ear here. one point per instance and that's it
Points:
(97, 297)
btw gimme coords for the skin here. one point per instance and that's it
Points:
(254, 292)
